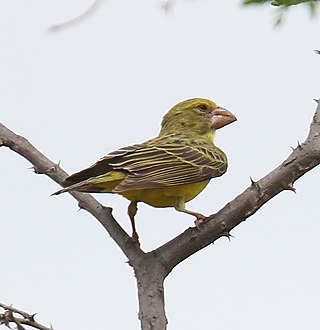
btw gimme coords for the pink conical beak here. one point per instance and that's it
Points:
(220, 117)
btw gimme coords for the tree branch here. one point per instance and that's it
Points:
(23, 318)
(303, 158)
(42, 165)
(151, 268)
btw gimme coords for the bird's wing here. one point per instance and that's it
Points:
(102, 166)
(156, 166)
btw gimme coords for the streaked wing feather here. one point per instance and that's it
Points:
(155, 166)
(165, 165)
(102, 166)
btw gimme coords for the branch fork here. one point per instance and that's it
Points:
(153, 267)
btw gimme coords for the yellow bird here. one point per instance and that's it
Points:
(168, 170)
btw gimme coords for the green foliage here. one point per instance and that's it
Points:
(289, 2)
(284, 5)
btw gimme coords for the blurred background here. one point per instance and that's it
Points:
(85, 90)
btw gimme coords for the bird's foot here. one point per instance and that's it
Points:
(201, 219)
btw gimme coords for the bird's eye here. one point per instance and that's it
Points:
(202, 107)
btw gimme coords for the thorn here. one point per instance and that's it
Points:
(316, 100)
(252, 181)
(227, 234)
(35, 170)
(53, 168)
(80, 207)
(289, 186)
(299, 146)
(38, 170)
(317, 51)
(255, 184)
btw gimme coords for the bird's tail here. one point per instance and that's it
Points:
(83, 186)
(102, 183)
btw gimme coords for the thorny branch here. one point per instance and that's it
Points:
(13, 316)
(303, 158)
(151, 268)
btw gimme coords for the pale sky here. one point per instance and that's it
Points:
(106, 82)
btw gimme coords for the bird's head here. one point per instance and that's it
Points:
(196, 117)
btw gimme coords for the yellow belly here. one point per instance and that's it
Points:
(158, 197)
(167, 196)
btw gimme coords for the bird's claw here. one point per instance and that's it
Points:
(201, 219)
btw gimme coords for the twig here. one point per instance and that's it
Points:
(9, 316)
(88, 12)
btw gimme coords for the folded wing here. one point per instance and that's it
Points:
(156, 166)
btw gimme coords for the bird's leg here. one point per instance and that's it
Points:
(132, 211)
(180, 206)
